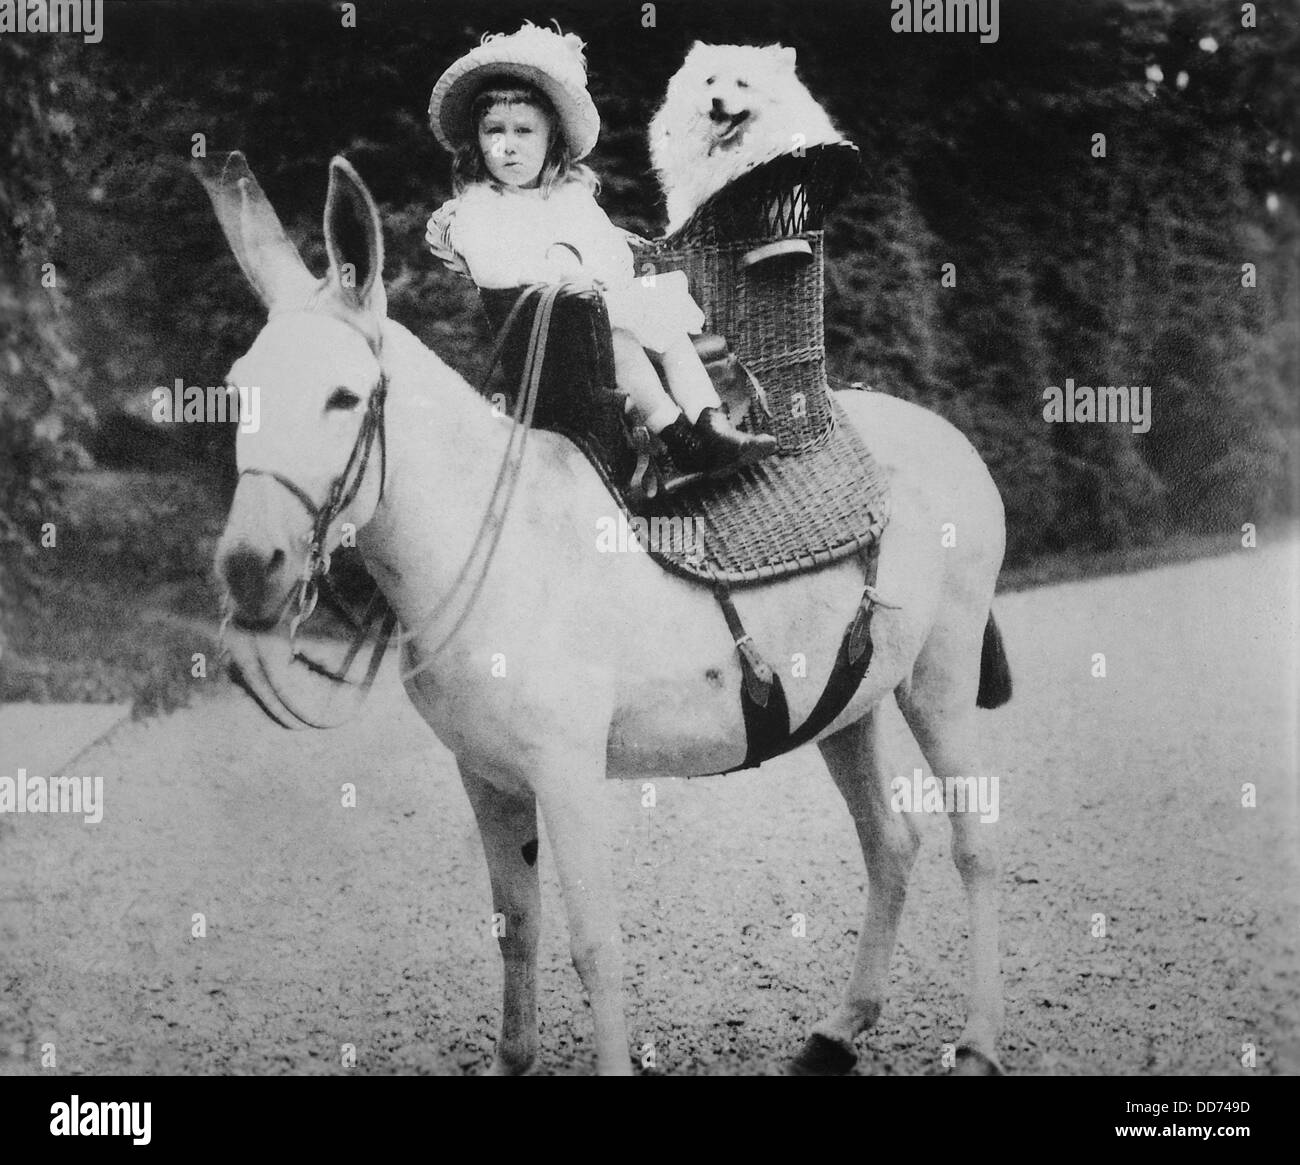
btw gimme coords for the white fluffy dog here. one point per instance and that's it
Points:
(728, 109)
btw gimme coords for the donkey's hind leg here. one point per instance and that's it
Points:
(889, 842)
(939, 706)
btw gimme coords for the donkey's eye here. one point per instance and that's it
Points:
(742, 84)
(342, 398)
(710, 80)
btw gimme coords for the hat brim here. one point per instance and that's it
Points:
(453, 96)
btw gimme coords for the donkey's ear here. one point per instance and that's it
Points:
(354, 238)
(270, 262)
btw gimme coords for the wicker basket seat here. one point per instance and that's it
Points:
(754, 259)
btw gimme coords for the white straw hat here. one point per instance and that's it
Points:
(552, 61)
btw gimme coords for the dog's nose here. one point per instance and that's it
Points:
(718, 114)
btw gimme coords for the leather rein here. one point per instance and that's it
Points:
(493, 522)
(345, 487)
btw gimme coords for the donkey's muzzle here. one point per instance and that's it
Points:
(252, 577)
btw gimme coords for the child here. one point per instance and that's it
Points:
(517, 117)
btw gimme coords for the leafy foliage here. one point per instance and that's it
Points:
(1125, 269)
(41, 402)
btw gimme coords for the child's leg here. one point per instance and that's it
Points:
(705, 442)
(687, 379)
(636, 377)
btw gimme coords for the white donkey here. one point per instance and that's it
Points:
(613, 667)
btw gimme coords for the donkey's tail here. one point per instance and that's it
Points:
(995, 671)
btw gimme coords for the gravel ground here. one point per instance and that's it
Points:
(369, 926)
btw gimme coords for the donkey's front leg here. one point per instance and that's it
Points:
(507, 823)
(572, 802)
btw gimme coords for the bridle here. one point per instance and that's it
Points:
(345, 487)
(342, 493)
(315, 573)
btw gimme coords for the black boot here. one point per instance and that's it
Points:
(684, 446)
(725, 447)
(713, 444)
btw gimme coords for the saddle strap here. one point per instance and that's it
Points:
(762, 698)
(851, 662)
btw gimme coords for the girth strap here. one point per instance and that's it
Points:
(851, 662)
(762, 698)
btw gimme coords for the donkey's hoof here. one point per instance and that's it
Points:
(821, 1056)
(973, 1062)
(502, 1067)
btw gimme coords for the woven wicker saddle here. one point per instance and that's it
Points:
(753, 257)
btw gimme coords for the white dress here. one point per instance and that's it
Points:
(516, 236)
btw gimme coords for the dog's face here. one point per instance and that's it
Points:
(726, 88)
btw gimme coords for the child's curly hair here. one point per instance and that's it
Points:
(468, 167)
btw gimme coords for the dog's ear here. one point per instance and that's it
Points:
(781, 55)
(698, 47)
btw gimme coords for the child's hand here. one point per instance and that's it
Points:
(574, 280)
(580, 280)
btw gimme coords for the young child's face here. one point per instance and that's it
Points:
(514, 140)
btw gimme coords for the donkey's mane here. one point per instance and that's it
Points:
(419, 369)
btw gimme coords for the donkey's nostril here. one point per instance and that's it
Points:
(247, 574)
